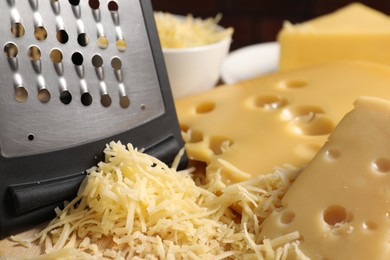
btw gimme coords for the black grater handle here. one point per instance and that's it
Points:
(25, 198)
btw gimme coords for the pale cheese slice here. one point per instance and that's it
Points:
(249, 128)
(354, 32)
(340, 203)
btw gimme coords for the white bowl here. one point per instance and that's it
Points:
(196, 69)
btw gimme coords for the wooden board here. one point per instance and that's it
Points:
(10, 248)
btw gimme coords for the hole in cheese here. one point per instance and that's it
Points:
(184, 128)
(293, 83)
(381, 165)
(196, 136)
(218, 144)
(332, 153)
(200, 171)
(335, 215)
(369, 225)
(205, 107)
(270, 102)
(301, 110)
(286, 217)
(312, 124)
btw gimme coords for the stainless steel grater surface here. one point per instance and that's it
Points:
(74, 76)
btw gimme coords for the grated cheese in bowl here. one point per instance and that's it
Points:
(145, 210)
(186, 32)
(193, 50)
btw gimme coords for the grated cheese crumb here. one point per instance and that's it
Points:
(147, 210)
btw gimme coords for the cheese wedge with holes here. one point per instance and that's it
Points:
(340, 203)
(354, 32)
(249, 128)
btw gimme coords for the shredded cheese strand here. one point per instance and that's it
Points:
(149, 210)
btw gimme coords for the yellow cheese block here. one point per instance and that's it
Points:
(340, 204)
(281, 118)
(354, 32)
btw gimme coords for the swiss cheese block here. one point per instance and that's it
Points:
(354, 32)
(340, 203)
(249, 128)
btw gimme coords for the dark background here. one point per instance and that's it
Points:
(256, 21)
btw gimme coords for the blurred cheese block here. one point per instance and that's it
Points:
(281, 118)
(340, 204)
(355, 32)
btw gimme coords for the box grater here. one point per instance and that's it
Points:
(75, 75)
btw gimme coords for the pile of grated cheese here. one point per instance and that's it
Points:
(175, 32)
(144, 209)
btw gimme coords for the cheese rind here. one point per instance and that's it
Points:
(340, 203)
(281, 118)
(354, 32)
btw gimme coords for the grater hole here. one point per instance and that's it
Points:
(56, 56)
(121, 45)
(83, 39)
(43, 95)
(105, 100)
(116, 63)
(97, 61)
(86, 99)
(94, 4)
(34, 53)
(66, 97)
(102, 42)
(11, 50)
(11, 3)
(124, 102)
(17, 29)
(113, 6)
(74, 2)
(21, 94)
(30, 137)
(34, 4)
(77, 58)
(143, 107)
(62, 36)
(55, 6)
(40, 33)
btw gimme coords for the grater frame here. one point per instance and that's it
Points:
(36, 177)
